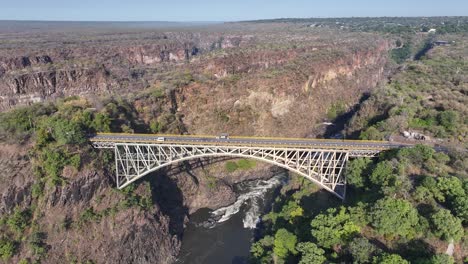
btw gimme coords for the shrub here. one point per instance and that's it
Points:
(37, 190)
(19, 220)
(336, 110)
(36, 242)
(89, 215)
(7, 248)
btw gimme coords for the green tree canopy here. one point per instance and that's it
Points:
(310, 253)
(460, 206)
(383, 174)
(389, 259)
(394, 217)
(261, 247)
(334, 227)
(361, 250)
(442, 259)
(285, 243)
(357, 170)
(446, 226)
(449, 119)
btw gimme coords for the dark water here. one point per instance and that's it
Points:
(225, 235)
(227, 242)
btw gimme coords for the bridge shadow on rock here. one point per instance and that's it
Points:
(168, 195)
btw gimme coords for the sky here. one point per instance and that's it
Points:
(210, 10)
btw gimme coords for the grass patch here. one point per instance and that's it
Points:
(242, 164)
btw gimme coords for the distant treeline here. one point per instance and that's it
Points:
(383, 24)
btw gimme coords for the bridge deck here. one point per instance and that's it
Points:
(246, 141)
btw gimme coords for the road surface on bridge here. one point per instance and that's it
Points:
(247, 141)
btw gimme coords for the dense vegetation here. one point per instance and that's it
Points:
(398, 210)
(406, 206)
(428, 97)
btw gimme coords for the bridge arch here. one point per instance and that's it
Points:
(323, 167)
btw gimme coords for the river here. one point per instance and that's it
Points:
(225, 235)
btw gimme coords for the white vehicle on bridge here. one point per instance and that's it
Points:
(161, 139)
(223, 136)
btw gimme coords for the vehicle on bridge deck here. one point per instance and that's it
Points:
(161, 139)
(223, 136)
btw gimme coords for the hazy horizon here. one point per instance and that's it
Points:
(220, 11)
(209, 21)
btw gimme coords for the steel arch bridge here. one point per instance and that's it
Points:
(321, 161)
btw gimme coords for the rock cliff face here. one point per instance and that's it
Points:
(79, 68)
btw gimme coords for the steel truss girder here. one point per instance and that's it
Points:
(322, 166)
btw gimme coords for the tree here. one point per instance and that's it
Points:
(446, 226)
(389, 259)
(383, 175)
(417, 154)
(361, 250)
(310, 253)
(394, 217)
(460, 206)
(371, 133)
(357, 170)
(262, 246)
(333, 227)
(68, 132)
(449, 119)
(451, 187)
(101, 122)
(285, 243)
(291, 210)
(400, 54)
